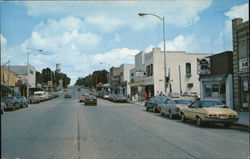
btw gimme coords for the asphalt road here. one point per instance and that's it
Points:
(66, 129)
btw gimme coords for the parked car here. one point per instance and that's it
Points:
(120, 98)
(12, 103)
(174, 95)
(172, 107)
(99, 94)
(193, 94)
(67, 95)
(23, 101)
(90, 99)
(3, 106)
(34, 99)
(105, 96)
(154, 102)
(203, 111)
(111, 97)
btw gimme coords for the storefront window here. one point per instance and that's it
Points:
(244, 92)
(208, 90)
(216, 90)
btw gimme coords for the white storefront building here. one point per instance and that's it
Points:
(181, 69)
(125, 78)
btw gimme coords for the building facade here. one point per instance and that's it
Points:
(241, 64)
(148, 74)
(217, 83)
(24, 75)
(137, 75)
(114, 79)
(181, 69)
(125, 78)
(8, 82)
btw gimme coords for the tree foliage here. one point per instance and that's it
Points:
(48, 75)
(91, 80)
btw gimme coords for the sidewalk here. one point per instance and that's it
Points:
(243, 119)
(138, 103)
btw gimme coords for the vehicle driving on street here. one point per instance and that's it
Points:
(90, 100)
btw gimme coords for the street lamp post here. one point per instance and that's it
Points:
(29, 52)
(164, 45)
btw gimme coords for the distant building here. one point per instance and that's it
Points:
(114, 79)
(137, 75)
(8, 82)
(241, 64)
(24, 75)
(125, 78)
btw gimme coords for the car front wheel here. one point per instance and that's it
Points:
(171, 115)
(198, 122)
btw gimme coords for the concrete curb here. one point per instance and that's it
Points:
(241, 125)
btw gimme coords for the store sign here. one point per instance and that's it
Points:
(244, 64)
(50, 83)
(203, 66)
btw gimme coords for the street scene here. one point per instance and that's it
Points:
(125, 79)
(66, 128)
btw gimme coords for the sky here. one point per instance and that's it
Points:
(84, 36)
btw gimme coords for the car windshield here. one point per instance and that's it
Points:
(39, 94)
(162, 99)
(182, 101)
(208, 104)
(8, 98)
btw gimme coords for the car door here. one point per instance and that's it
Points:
(195, 110)
(164, 105)
(189, 112)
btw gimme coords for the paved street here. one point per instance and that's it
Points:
(65, 129)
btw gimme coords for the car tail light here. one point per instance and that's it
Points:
(212, 115)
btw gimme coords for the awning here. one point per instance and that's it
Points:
(6, 88)
(141, 83)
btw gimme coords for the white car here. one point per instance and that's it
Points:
(172, 107)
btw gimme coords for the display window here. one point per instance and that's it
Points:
(216, 90)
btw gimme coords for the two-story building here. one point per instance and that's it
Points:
(114, 79)
(181, 69)
(241, 75)
(125, 78)
(8, 82)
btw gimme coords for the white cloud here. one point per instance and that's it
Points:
(4, 54)
(67, 33)
(179, 43)
(179, 13)
(116, 57)
(105, 24)
(73, 47)
(240, 11)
